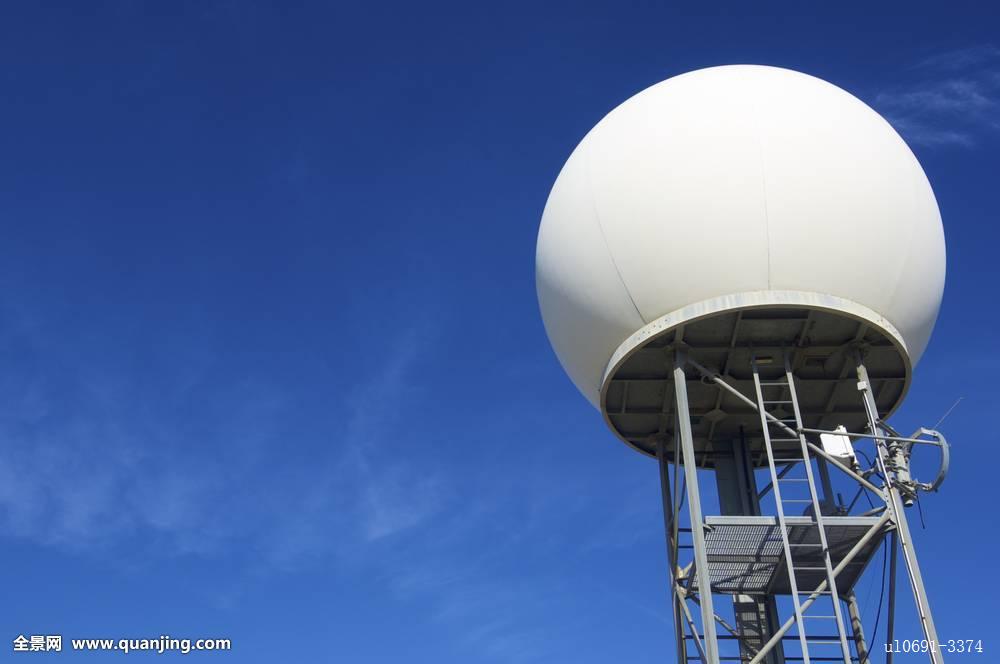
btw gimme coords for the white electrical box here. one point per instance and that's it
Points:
(838, 445)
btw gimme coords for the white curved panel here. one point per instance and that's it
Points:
(678, 191)
(844, 203)
(582, 299)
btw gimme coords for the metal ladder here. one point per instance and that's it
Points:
(791, 431)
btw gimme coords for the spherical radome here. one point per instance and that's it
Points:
(735, 185)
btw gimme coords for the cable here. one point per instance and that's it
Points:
(867, 458)
(881, 596)
(871, 465)
(863, 490)
(920, 511)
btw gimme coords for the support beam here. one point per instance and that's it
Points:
(896, 509)
(770, 485)
(683, 428)
(815, 448)
(829, 498)
(725, 368)
(847, 559)
(890, 626)
(819, 451)
(899, 439)
(670, 529)
(694, 636)
(854, 611)
(733, 632)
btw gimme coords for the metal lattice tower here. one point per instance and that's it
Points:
(790, 576)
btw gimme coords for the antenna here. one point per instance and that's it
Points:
(740, 267)
(948, 412)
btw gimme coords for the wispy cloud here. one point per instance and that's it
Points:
(961, 59)
(393, 497)
(367, 488)
(952, 101)
(88, 463)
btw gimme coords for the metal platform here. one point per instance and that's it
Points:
(638, 400)
(745, 552)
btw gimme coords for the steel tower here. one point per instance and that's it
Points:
(768, 574)
(740, 267)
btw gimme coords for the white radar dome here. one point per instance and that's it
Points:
(731, 189)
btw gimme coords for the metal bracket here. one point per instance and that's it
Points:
(938, 441)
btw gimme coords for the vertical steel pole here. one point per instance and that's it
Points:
(694, 507)
(669, 528)
(890, 625)
(895, 504)
(829, 498)
(859, 631)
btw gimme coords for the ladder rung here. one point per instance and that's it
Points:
(811, 545)
(788, 460)
(784, 440)
(792, 479)
(807, 568)
(771, 383)
(775, 401)
(795, 500)
(819, 617)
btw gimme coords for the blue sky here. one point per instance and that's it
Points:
(271, 366)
